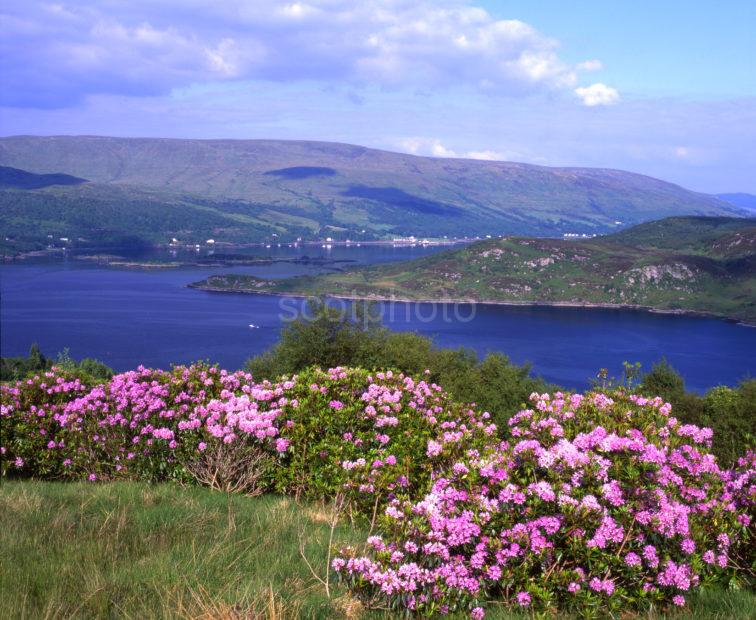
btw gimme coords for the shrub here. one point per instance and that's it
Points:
(325, 432)
(57, 425)
(233, 468)
(13, 368)
(598, 503)
(729, 412)
(595, 503)
(368, 434)
(17, 368)
(741, 485)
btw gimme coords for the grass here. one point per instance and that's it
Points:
(137, 551)
(130, 550)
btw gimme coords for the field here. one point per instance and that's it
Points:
(137, 551)
(132, 550)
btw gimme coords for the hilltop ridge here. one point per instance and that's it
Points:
(253, 190)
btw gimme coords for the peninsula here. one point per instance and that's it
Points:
(703, 265)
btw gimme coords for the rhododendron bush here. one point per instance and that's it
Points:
(343, 430)
(593, 503)
(596, 504)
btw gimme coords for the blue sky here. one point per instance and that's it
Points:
(689, 48)
(665, 88)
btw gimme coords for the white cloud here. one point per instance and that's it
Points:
(487, 155)
(297, 10)
(590, 65)
(425, 146)
(59, 57)
(435, 148)
(439, 150)
(597, 94)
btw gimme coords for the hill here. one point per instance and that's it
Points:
(121, 215)
(295, 188)
(690, 264)
(740, 200)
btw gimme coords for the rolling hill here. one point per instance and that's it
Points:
(740, 200)
(249, 190)
(691, 264)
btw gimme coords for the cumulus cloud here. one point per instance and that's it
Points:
(488, 155)
(597, 94)
(435, 148)
(55, 55)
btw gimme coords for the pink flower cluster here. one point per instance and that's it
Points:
(595, 500)
(335, 430)
(598, 499)
(136, 421)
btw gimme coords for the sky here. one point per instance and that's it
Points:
(665, 88)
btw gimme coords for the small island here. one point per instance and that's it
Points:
(212, 260)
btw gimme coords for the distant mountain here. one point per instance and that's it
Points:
(695, 264)
(235, 190)
(741, 200)
(21, 179)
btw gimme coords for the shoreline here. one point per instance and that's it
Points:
(546, 304)
(258, 244)
(120, 262)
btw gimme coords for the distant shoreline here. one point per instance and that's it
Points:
(547, 304)
(261, 244)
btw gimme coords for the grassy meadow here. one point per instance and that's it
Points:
(132, 550)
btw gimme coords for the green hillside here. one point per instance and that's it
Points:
(678, 264)
(295, 188)
(115, 215)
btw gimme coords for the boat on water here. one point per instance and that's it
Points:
(253, 326)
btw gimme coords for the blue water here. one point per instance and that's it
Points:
(129, 317)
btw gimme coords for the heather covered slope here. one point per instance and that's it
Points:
(342, 190)
(679, 264)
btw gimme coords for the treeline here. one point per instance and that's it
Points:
(16, 368)
(330, 337)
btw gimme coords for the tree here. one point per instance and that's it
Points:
(329, 337)
(37, 361)
(663, 380)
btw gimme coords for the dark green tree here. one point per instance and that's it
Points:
(328, 337)
(663, 380)
(37, 361)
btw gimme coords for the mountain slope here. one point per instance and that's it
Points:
(122, 215)
(713, 270)
(740, 200)
(341, 190)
